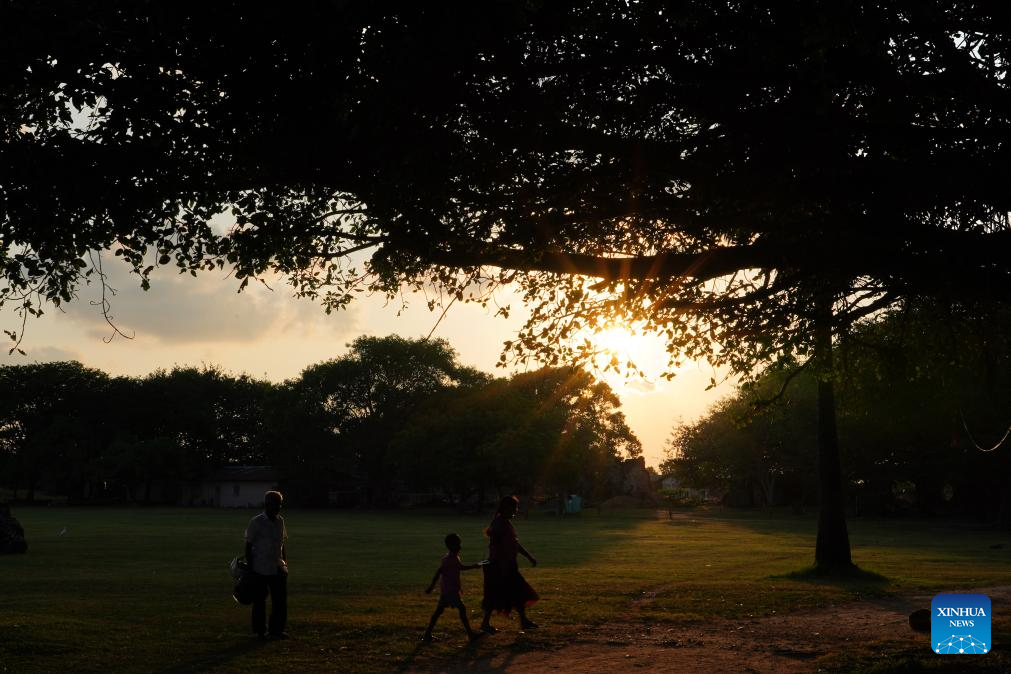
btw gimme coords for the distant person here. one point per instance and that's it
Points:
(12, 535)
(268, 562)
(504, 588)
(449, 588)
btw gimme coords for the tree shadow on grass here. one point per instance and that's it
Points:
(217, 658)
(947, 537)
(845, 576)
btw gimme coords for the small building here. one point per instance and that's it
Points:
(632, 477)
(237, 486)
(629, 481)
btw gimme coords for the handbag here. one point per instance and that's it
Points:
(247, 584)
(237, 567)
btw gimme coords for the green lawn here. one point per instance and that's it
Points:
(148, 590)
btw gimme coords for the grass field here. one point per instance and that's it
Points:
(141, 590)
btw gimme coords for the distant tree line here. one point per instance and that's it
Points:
(391, 416)
(921, 395)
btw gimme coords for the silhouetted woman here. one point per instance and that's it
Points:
(504, 587)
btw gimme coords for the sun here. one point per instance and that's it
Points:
(626, 357)
(616, 340)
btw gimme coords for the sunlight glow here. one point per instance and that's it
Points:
(627, 359)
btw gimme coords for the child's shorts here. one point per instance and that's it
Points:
(450, 601)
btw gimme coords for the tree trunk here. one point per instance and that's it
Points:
(833, 546)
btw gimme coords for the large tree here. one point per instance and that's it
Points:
(554, 430)
(923, 401)
(750, 444)
(352, 406)
(52, 420)
(746, 180)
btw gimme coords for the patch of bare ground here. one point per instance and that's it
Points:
(798, 642)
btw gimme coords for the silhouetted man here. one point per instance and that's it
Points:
(265, 537)
(12, 536)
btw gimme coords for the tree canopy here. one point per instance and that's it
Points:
(352, 406)
(923, 400)
(554, 430)
(390, 415)
(780, 149)
(747, 180)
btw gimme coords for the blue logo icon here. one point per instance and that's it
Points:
(960, 624)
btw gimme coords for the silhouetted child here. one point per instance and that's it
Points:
(449, 589)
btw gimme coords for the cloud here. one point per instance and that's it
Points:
(640, 385)
(180, 309)
(41, 354)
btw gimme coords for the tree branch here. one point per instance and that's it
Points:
(703, 266)
(761, 404)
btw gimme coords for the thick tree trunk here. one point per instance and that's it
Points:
(833, 547)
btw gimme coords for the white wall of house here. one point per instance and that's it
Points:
(236, 494)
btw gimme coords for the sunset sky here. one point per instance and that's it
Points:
(268, 333)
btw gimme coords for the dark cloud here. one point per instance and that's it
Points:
(180, 309)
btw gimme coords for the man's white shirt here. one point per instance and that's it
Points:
(266, 537)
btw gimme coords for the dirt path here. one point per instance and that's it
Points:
(789, 643)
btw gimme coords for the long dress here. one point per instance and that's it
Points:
(505, 588)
